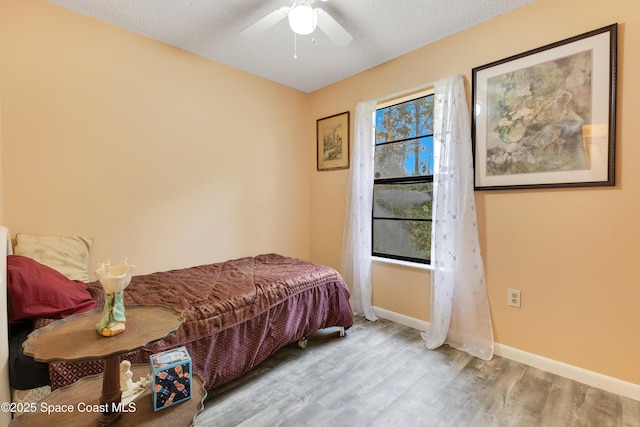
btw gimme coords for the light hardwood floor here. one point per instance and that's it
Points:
(382, 375)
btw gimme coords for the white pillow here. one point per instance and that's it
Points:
(67, 254)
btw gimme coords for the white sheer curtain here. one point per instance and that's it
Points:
(459, 304)
(356, 244)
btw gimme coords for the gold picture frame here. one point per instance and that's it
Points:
(332, 142)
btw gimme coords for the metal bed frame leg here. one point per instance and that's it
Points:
(302, 342)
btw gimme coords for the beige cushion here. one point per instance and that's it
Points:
(67, 254)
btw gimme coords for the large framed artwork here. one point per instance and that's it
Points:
(332, 140)
(547, 117)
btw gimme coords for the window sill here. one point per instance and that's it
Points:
(415, 265)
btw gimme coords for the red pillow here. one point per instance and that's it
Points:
(37, 291)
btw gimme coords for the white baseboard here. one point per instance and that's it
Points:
(412, 322)
(594, 379)
(575, 373)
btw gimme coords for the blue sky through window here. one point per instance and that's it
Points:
(402, 120)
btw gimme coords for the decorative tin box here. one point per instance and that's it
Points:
(171, 377)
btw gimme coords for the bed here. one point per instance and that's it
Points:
(237, 312)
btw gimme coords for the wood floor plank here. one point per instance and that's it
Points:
(489, 386)
(565, 404)
(381, 375)
(630, 413)
(528, 398)
(601, 408)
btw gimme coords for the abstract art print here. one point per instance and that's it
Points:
(546, 118)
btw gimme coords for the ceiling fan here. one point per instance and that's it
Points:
(303, 19)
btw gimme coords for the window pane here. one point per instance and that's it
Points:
(408, 239)
(405, 120)
(410, 201)
(404, 159)
(403, 171)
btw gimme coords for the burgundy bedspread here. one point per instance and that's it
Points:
(237, 312)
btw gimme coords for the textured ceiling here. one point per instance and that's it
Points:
(381, 30)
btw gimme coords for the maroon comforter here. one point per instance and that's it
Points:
(237, 312)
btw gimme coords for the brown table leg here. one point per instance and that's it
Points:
(111, 393)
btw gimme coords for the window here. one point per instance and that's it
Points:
(403, 180)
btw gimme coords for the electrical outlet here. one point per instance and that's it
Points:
(514, 298)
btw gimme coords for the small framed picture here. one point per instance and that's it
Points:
(332, 138)
(547, 117)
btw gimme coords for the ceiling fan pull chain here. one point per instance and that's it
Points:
(295, 46)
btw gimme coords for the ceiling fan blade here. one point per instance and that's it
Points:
(338, 35)
(266, 22)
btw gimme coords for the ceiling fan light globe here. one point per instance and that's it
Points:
(302, 19)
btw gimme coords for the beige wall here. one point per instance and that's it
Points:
(1, 174)
(169, 159)
(161, 156)
(572, 252)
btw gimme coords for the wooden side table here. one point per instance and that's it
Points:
(83, 397)
(75, 339)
